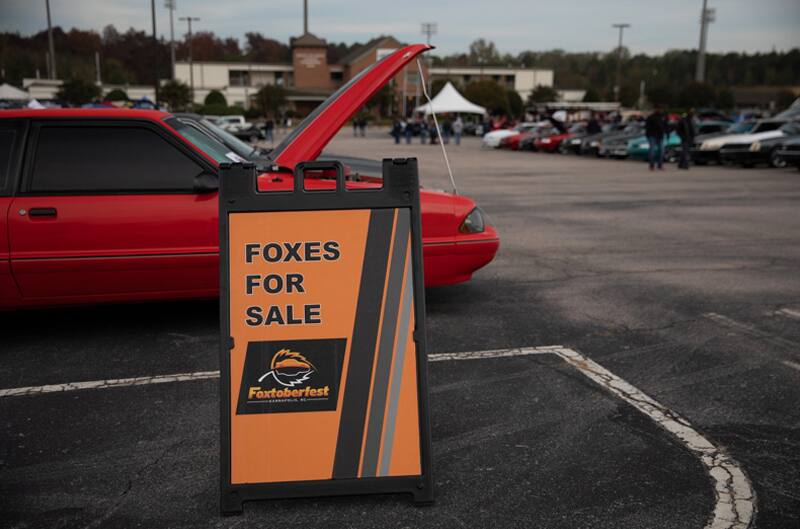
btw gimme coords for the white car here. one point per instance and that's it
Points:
(492, 139)
(766, 129)
(232, 123)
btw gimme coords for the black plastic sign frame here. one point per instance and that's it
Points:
(308, 406)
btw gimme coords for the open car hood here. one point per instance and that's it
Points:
(306, 142)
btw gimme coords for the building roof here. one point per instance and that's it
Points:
(308, 40)
(370, 46)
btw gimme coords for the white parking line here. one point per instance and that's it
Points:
(789, 363)
(752, 331)
(106, 384)
(735, 499)
(789, 313)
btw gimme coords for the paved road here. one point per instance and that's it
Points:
(684, 284)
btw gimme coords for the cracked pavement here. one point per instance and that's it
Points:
(603, 257)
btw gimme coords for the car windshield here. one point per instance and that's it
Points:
(203, 141)
(791, 128)
(238, 146)
(740, 128)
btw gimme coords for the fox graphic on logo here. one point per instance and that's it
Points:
(289, 368)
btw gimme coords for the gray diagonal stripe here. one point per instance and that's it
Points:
(397, 374)
(386, 346)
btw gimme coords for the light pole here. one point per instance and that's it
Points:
(707, 16)
(618, 86)
(52, 63)
(191, 66)
(155, 50)
(170, 4)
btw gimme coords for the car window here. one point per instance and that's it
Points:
(96, 159)
(792, 127)
(203, 141)
(7, 137)
(239, 147)
(766, 126)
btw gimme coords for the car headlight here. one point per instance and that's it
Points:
(755, 146)
(594, 144)
(576, 142)
(546, 140)
(706, 146)
(473, 223)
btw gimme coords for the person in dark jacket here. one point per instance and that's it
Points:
(593, 126)
(654, 130)
(686, 131)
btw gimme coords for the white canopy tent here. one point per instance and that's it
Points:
(11, 93)
(449, 101)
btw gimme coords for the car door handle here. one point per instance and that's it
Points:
(42, 212)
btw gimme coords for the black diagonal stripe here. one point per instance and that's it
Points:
(362, 347)
(380, 386)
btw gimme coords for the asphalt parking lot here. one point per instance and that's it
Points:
(684, 285)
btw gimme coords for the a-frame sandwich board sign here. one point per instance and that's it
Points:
(322, 356)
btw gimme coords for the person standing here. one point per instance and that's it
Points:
(397, 129)
(269, 128)
(654, 130)
(458, 130)
(686, 131)
(423, 131)
(409, 131)
(593, 126)
(362, 126)
(447, 130)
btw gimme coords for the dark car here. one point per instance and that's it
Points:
(705, 148)
(789, 151)
(615, 144)
(356, 168)
(587, 145)
(763, 151)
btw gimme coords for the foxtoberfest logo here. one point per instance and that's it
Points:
(291, 376)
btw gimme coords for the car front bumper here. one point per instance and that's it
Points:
(743, 155)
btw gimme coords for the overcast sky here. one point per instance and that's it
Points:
(574, 25)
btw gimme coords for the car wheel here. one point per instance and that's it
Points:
(775, 159)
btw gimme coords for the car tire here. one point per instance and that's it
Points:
(775, 160)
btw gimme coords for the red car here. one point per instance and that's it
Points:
(553, 142)
(121, 205)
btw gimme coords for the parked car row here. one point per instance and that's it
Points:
(239, 127)
(773, 142)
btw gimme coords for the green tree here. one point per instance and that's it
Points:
(543, 94)
(215, 98)
(591, 96)
(515, 106)
(488, 94)
(78, 92)
(785, 98)
(176, 95)
(117, 95)
(696, 94)
(725, 99)
(270, 99)
(484, 52)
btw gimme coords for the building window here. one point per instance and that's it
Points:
(279, 79)
(467, 79)
(337, 77)
(238, 78)
(510, 81)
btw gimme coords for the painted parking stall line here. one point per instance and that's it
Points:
(735, 499)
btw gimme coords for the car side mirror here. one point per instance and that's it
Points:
(205, 183)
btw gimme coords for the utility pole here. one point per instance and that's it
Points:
(97, 68)
(170, 4)
(155, 49)
(707, 16)
(618, 85)
(52, 61)
(191, 66)
(429, 29)
(305, 17)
